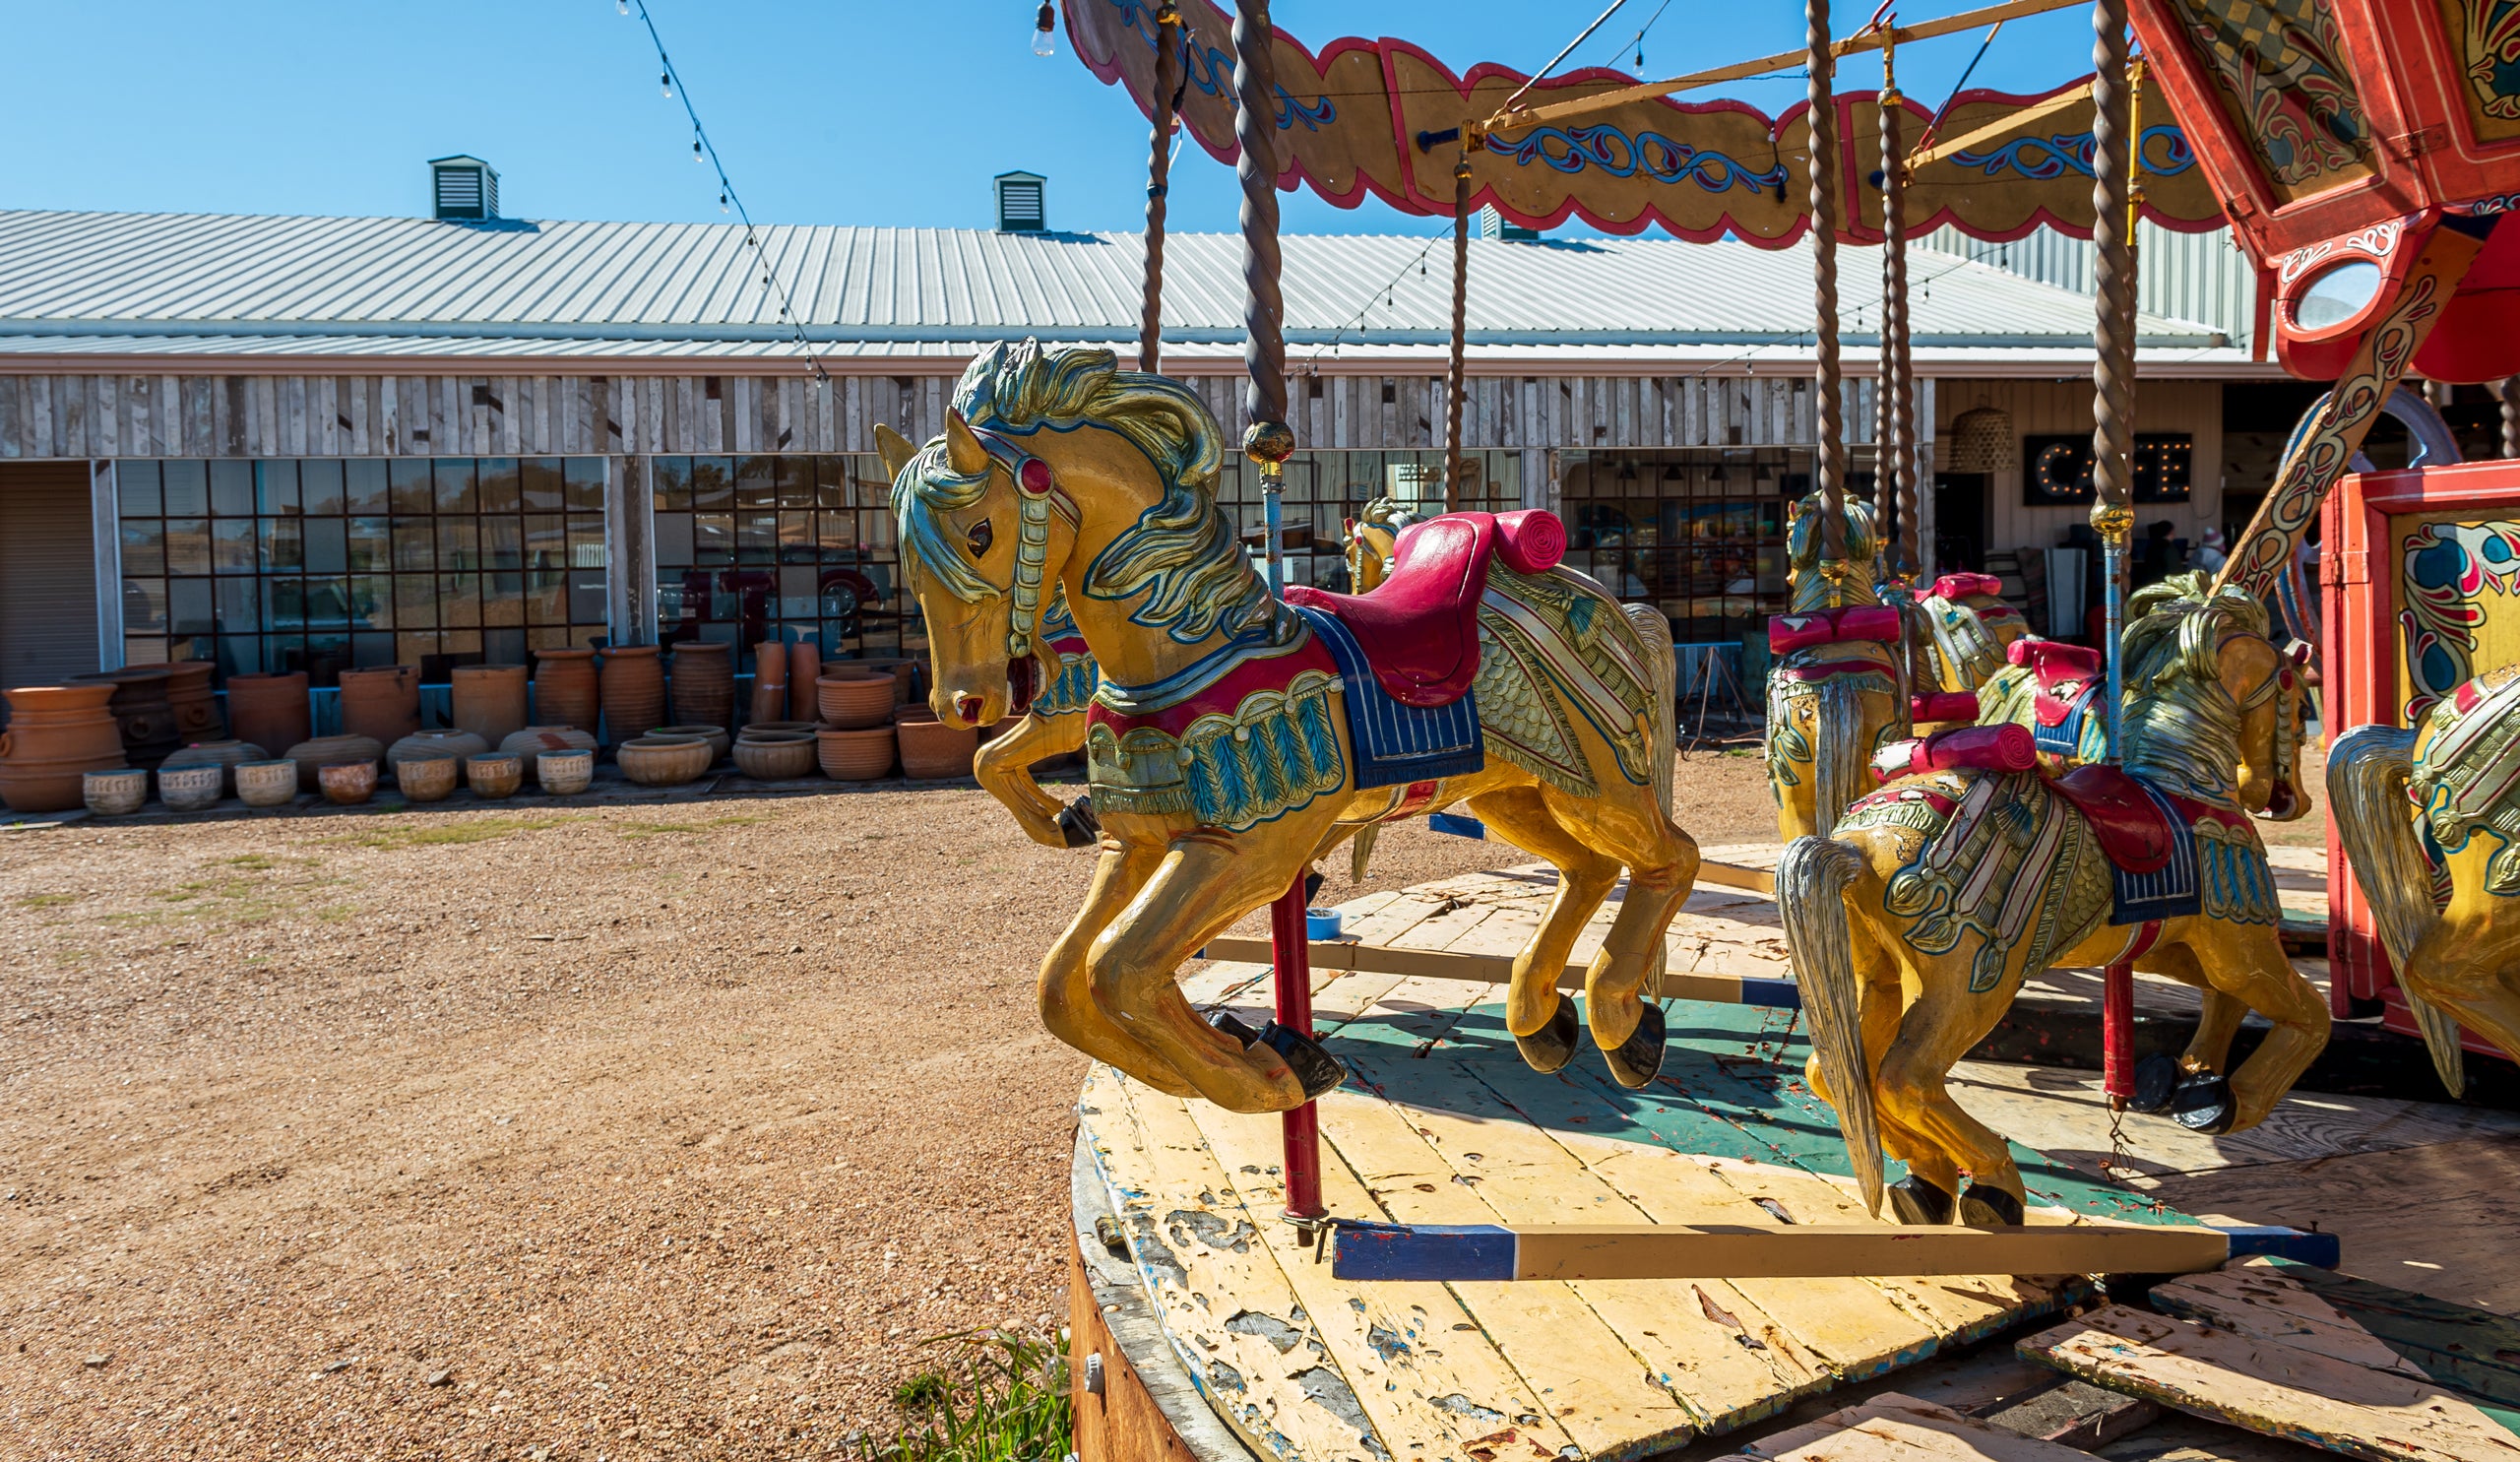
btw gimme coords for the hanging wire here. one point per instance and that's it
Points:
(1637, 40)
(1535, 76)
(1382, 293)
(703, 150)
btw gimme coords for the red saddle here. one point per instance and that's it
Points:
(2131, 827)
(2063, 671)
(1961, 585)
(1419, 627)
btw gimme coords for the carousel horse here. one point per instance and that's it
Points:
(2435, 812)
(1235, 735)
(1911, 929)
(1967, 627)
(1839, 686)
(1052, 725)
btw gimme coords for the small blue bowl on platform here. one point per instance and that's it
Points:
(1321, 924)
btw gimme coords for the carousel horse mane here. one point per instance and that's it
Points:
(1181, 553)
(1851, 576)
(2182, 725)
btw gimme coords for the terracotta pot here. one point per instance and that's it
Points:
(487, 700)
(768, 680)
(931, 749)
(565, 689)
(191, 789)
(194, 704)
(715, 736)
(427, 776)
(704, 682)
(634, 693)
(773, 727)
(348, 783)
(855, 755)
(269, 710)
(805, 667)
(494, 774)
(421, 744)
(564, 773)
(663, 761)
(852, 700)
(382, 703)
(56, 734)
(331, 751)
(775, 756)
(141, 712)
(535, 739)
(115, 794)
(224, 754)
(267, 784)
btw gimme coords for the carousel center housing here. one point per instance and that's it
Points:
(285, 443)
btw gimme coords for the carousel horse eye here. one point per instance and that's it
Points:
(982, 536)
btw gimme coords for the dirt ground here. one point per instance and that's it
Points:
(541, 1131)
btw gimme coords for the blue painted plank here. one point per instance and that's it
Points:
(1457, 825)
(1421, 1251)
(2249, 1240)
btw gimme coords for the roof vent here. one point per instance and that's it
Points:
(1493, 225)
(465, 189)
(1020, 208)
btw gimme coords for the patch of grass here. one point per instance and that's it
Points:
(652, 829)
(1001, 1398)
(475, 830)
(47, 901)
(251, 860)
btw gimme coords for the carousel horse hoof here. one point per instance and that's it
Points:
(1640, 1056)
(1312, 882)
(1315, 1068)
(1234, 1026)
(1079, 825)
(1918, 1204)
(2204, 1103)
(1554, 1044)
(2156, 1078)
(1985, 1206)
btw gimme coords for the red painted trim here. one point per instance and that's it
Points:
(1292, 963)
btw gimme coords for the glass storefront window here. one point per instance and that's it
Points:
(1697, 533)
(780, 546)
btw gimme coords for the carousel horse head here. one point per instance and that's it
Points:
(1057, 470)
(1371, 542)
(2214, 707)
(1816, 583)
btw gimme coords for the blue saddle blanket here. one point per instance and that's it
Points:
(2167, 892)
(1395, 745)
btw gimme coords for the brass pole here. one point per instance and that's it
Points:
(1454, 384)
(1822, 120)
(1158, 172)
(2112, 513)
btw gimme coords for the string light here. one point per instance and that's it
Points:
(1046, 23)
(705, 153)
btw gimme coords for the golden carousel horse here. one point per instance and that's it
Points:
(1914, 925)
(1961, 633)
(2430, 820)
(1838, 689)
(1235, 736)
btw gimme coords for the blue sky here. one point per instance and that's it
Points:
(825, 113)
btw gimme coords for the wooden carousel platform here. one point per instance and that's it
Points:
(1222, 1335)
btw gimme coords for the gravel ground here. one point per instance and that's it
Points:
(565, 1131)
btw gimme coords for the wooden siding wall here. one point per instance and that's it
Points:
(61, 417)
(2052, 407)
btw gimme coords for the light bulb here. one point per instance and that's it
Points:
(695, 150)
(721, 203)
(1045, 25)
(664, 79)
(622, 6)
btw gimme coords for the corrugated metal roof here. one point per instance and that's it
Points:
(256, 285)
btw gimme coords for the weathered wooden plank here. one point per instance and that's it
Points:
(2271, 1388)
(2372, 1325)
(1896, 1427)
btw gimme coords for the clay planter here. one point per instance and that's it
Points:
(423, 744)
(191, 789)
(535, 739)
(663, 761)
(193, 703)
(56, 734)
(704, 682)
(564, 773)
(775, 756)
(225, 754)
(634, 693)
(331, 751)
(565, 689)
(768, 680)
(115, 794)
(426, 777)
(269, 710)
(494, 774)
(932, 750)
(345, 784)
(487, 700)
(141, 712)
(267, 784)
(773, 727)
(805, 667)
(715, 736)
(852, 700)
(382, 704)
(855, 755)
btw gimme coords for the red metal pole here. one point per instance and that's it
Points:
(2118, 1035)
(1291, 958)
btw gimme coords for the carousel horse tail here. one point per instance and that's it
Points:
(1811, 891)
(1656, 632)
(2367, 776)
(1838, 755)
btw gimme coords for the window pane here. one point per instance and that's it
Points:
(502, 543)
(410, 477)
(712, 538)
(458, 543)
(231, 489)
(795, 476)
(583, 485)
(542, 487)
(371, 603)
(546, 542)
(585, 597)
(673, 541)
(275, 487)
(240, 606)
(501, 491)
(755, 482)
(546, 595)
(188, 546)
(320, 486)
(284, 544)
(503, 598)
(327, 543)
(712, 484)
(459, 600)
(188, 607)
(455, 485)
(144, 547)
(140, 489)
(414, 602)
(144, 605)
(413, 543)
(364, 490)
(232, 545)
(187, 489)
(586, 542)
(669, 484)
(756, 533)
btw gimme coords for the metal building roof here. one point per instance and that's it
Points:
(182, 285)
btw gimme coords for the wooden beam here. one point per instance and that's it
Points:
(2010, 121)
(1497, 969)
(1567, 1252)
(1723, 875)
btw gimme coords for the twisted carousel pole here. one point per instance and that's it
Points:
(1821, 121)
(2112, 513)
(1159, 175)
(1267, 441)
(1454, 384)
(1895, 450)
